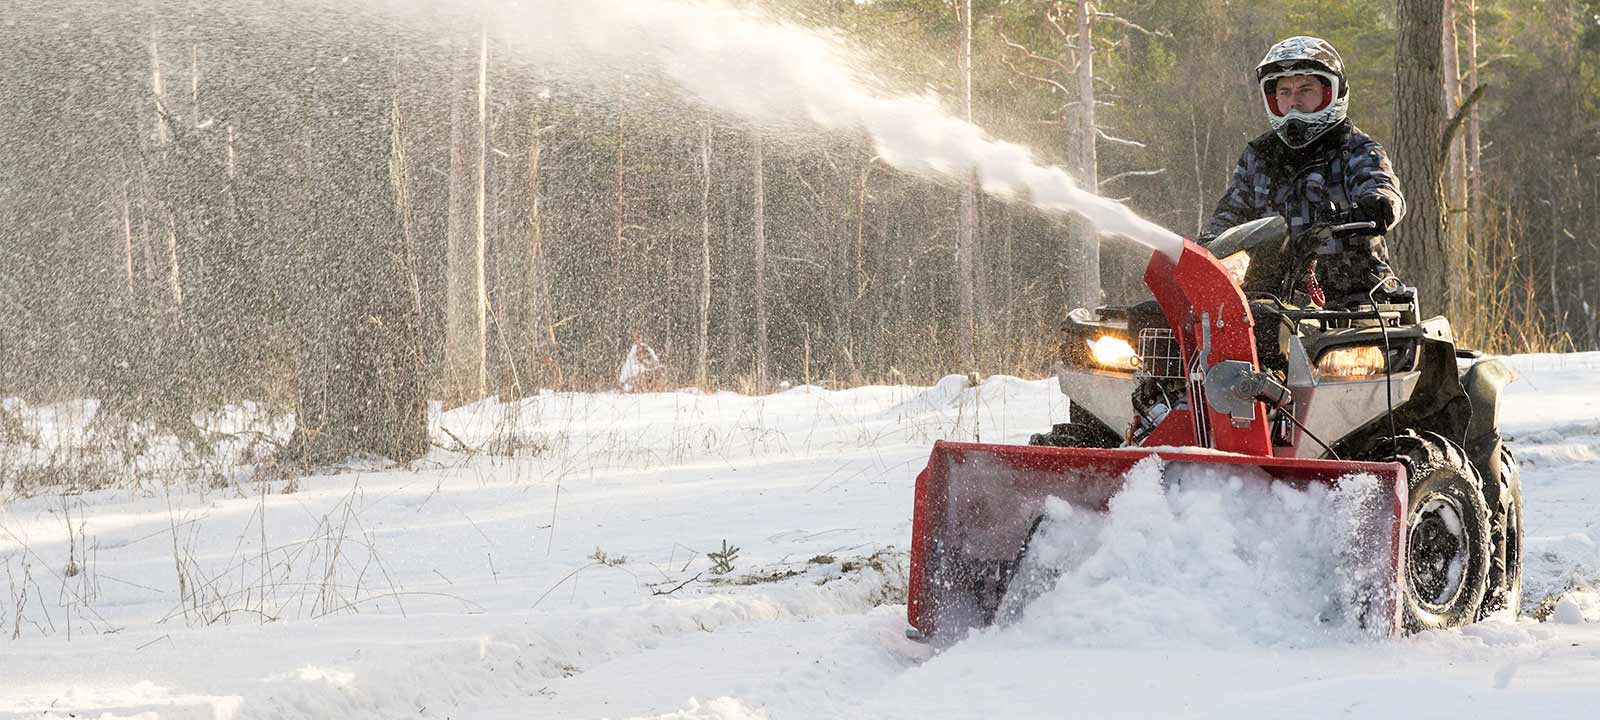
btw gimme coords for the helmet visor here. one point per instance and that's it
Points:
(1295, 95)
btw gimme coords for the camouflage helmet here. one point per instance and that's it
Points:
(1304, 55)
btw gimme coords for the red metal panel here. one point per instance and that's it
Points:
(1195, 289)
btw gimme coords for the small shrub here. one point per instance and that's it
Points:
(602, 558)
(722, 560)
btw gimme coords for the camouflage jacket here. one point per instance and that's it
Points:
(1317, 183)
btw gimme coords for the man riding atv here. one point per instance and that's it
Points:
(1288, 327)
(1318, 171)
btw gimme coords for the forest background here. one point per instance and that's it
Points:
(346, 210)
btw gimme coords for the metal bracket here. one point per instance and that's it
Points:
(1231, 387)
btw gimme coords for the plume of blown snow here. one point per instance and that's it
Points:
(743, 62)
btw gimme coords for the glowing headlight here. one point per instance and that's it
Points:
(1351, 363)
(1113, 352)
(1237, 265)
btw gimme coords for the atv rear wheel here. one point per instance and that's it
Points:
(1503, 491)
(1447, 550)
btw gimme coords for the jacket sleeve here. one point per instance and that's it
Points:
(1237, 204)
(1372, 180)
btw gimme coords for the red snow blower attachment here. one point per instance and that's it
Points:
(979, 505)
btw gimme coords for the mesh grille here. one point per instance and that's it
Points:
(1158, 351)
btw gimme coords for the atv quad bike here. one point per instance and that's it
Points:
(1303, 393)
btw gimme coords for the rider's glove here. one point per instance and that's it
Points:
(1375, 209)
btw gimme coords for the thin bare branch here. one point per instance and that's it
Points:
(1120, 141)
(1132, 173)
(1131, 25)
(1033, 55)
(1036, 78)
(1452, 127)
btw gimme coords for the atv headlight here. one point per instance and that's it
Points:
(1237, 265)
(1113, 352)
(1351, 363)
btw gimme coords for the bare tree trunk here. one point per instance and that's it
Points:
(1084, 276)
(232, 157)
(174, 269)
(1474, 139)
(400, 177)
(861, 223)
(1422, 252)
(146, 239)
(1455, 169)
(158, 91)
(703, 334)
(127, 238)
(481, 237)
(541, 316)
(194, 86)
(1199, 180)
(967, 231)
(466, 326)
(618, 295)
(760, 250)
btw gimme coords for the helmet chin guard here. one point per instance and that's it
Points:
(1302, 55)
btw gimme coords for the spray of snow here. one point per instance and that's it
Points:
(722, 708)
(743, 62)
(1204, 555)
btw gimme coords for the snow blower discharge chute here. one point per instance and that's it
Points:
(1266, 383)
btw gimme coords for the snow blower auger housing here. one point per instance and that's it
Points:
(1279, 386)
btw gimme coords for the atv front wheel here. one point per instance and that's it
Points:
(1447, 536)
(1085, 431)
(1076, 435)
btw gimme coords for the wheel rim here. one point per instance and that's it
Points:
(1437, 557)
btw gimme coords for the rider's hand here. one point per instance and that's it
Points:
(1374, 209)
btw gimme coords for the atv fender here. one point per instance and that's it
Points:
(1483, 383)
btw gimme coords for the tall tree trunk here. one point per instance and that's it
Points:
(466, 327)
(194, 86)
(1084, 272)
(703, 332)
(618, 293)
(760, 251)
(967, 231)
(127, 239)
(232, 157)
(164, 161)
(174, 268)
(1421, 249)
(1455, 168)
(481, 236)
(1474, 139)
(158, 91)
(543, 349)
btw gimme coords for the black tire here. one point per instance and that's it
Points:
(1447, 544)
(1085, 431)
(1078, 435)
(1503, 493)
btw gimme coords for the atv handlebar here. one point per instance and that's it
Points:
(1354, 226)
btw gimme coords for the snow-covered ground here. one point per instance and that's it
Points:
(559, 562)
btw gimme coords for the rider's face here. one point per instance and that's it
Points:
(1301, 93)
